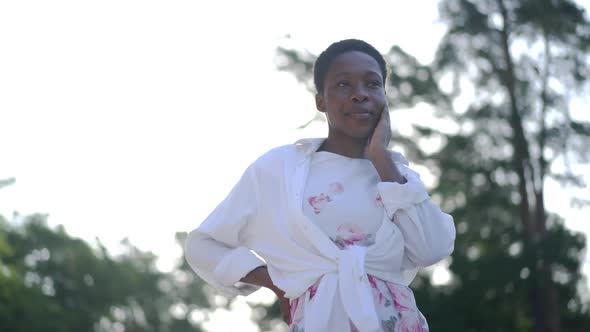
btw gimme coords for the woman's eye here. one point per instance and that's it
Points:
(374, 84)
(342, 84)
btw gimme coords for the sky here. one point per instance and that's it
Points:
(133, 119)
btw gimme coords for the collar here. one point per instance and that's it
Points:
(309, 145)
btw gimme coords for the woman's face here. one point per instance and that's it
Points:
(354, 95)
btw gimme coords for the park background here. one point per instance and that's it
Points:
(124, 123)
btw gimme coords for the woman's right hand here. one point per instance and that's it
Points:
(260, 277)
(284, 305)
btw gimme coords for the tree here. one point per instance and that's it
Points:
(50, 282)
(522, 103)
(515, 266)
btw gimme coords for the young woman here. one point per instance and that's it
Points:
(339, 225)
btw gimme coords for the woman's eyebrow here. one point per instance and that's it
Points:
(346, 73)
(371, 72)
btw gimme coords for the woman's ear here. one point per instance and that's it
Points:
(320, 105)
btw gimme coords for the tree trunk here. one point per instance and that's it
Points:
(543, 295)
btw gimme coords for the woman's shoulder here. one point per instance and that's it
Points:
(404, 166)
(276, 159)
(275, 154)
(399, 158)
(289, 153)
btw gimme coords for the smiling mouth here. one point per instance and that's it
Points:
(361, 115)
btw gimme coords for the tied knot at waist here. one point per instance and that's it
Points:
(349, 283)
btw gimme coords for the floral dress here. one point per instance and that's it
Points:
(341, 197)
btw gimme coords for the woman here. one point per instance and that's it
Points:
(339, 225)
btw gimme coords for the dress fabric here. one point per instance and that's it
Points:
(342, 199)
(262, 222)
(395, 306)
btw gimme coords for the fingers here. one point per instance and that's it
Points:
(285, 309)
(386, 112)
(385, 124)
(386, 109)
(387, 119)
(384, 121)
(286, 313)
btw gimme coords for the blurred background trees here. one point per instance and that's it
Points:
(504, 75)
(52, 282)
(496, 127)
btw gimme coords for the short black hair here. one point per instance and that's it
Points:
(325, 59)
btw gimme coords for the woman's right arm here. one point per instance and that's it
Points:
(215, 250)
(260, 277)
(257, 277)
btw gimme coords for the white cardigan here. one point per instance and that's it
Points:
(263, 213)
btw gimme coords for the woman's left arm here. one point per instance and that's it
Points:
(429, 233)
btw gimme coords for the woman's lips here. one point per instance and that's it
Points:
(361, 115)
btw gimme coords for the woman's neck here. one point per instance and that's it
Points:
(344, 145)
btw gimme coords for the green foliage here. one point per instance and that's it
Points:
(6, 182)
(50, 281)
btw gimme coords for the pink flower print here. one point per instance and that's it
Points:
(403, 298)
(336, 188)
(293, 308)
(318, 202)
(376, 291)
(378, 201)
(296, 309)
(312, 290)
(408, 323)
(372, 281)
(350, 233)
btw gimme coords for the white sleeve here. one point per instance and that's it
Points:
(429, 233)
(215, 250)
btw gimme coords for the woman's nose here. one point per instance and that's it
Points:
(359, 94)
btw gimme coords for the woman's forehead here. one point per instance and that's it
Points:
(353, 62)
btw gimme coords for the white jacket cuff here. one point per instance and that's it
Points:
(396, 196)
(236, 265)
